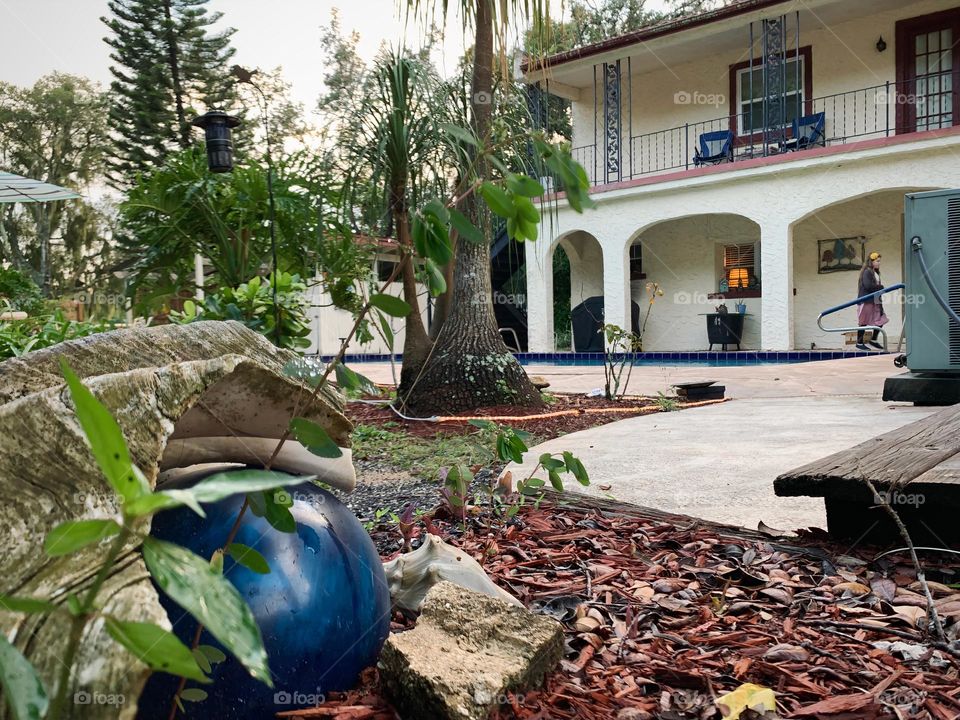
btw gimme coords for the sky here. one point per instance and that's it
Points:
(40, 36)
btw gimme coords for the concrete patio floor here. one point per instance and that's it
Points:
(718, 462)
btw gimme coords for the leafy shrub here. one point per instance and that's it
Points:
(252, 304)
(20, 292)
(21, 336)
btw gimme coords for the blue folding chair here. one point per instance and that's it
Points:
(808, 131)
(715, 147)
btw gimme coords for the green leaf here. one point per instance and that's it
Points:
(526, 210)
(352, 381)
(465, 228)
(213, 655)
(11, 603)
(202, 660)
(276, 511)
(69, 537)
(313, 437)
(387, 332)
(483, 424)
(550, 462)
(575, 466)
(390, 304)
(249, 558)
(193, 695)
(460, 133)
(498, 200)
(438, 210)
(211, 599)
(158, 648)
(213, 489)
(436, 282)
(555, 480)
(21, 685)
(524, 185)
(106, 440)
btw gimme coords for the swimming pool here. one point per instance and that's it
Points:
(685, 359)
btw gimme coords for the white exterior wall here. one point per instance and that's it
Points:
(329, 324)
(683, 255)
(790, 201)
(844, 59)
(879, 219)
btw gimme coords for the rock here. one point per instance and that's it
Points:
(539, 382)
(206, 390)
(411, 575)
(466, 652)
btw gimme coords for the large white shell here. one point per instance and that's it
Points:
(411, 575)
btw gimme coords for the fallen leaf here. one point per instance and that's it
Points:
(883, 588)
(785, 651)
(854, 588)
(746, 697)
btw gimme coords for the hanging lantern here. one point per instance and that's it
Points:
(216, 125)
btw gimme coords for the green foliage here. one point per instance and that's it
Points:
(34, 333)
(561, 299)
(21, 685)
(423, 456)
(196, 584)
(54, 131)
(168, 67)
(20, 292)
(252, 304)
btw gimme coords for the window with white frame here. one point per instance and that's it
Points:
(750, 96)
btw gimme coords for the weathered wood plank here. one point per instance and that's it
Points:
(892, 460)
(946, 473)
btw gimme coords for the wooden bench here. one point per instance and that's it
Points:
(916, 467)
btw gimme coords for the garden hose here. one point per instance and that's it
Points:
(917, 244)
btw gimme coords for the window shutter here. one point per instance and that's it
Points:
(738, 256)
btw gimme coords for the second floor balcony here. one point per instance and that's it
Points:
(931, 102)
(759, 79)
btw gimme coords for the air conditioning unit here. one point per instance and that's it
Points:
(931, 268)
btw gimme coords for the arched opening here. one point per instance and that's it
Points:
(830, 246)
(576, 262)
(698, 262)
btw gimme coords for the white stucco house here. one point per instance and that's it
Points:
(776, 222)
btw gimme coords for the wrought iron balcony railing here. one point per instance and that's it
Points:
(927, 103)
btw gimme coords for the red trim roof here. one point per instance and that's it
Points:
(667, 27)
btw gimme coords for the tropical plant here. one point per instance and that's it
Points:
(470, 366)
(18, 337)
(182, 209)
(20, 292)
(252, 303)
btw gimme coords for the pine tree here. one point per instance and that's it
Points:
(168, 67)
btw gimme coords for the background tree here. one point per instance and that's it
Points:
(54, 132)
(168, 67)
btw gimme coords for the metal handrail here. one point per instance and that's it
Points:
(858, 301)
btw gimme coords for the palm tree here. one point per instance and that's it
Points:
(469, 365)
(395, 157)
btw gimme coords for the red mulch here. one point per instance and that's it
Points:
(544, 428)
(663, 614)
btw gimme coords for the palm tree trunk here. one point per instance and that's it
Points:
(470, 366)
(416, 342)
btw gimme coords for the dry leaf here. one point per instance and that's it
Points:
(854, 588)
(746, 697)
(785, 651)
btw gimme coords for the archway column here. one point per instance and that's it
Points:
(539, 298)
(616, 285)
(777, 283)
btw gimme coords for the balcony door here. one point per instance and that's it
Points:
(928, 61)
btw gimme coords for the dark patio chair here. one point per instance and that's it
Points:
(715, 147)
(808, 131)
